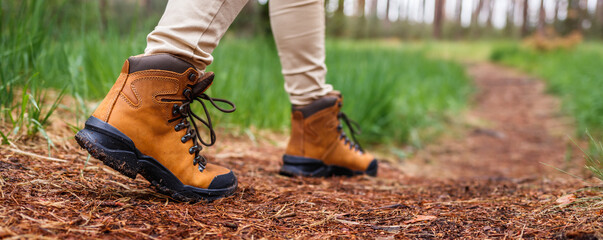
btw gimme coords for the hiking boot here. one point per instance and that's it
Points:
(319, 147)
(145, 126)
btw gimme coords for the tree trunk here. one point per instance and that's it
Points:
(459, 11)
(476, 12)
(573, 21)
(556, 15)
(599, 14)
(541, 19)
(387, 3)
(360, 7)
(339, 20)
(103, 14)
(339, 7)
(509, 23)
(373, 8)
(438, 18)
(490, 6)
(524, 24)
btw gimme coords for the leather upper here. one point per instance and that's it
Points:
(140, 105)
(314, 134)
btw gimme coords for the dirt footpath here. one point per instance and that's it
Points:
(514, 130)
(495, 177)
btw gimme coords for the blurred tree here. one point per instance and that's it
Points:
(360, 5)
(438, 18)
(476, 12)
(252, 21)
(103, 14)
(509, 24)
(524, 19)
(541, 19)
(572, 21)
(599, 15)
(458, 10)
(556, 13)
(490, 9)
(373, 8)
(387, 5)
(338, 21)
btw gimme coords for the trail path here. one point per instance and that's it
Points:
(514, 130)
(484, 180)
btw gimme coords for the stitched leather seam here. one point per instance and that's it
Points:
(175, 89)
(114, 101)
(161, 73)
(329, 150)
(130, 103)
(137, 94)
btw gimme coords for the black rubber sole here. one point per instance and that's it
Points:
(116, 150)
(309, 167)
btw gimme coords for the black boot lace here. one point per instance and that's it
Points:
(187, 118)
(354, 129)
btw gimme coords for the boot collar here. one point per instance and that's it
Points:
(164, 61)
(316, 106)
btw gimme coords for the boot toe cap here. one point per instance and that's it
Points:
(371, 170)
(222, 181)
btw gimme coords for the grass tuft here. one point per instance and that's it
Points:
(594, 159)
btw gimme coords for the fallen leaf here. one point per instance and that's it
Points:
(565, 200)
(420, 218)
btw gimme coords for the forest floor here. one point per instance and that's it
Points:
(509, 171)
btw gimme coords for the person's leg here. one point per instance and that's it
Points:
(299, 32)
(317, 146)
(191, 30)
(145, 124)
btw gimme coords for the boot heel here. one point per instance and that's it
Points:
(112, 147)
(301, 166)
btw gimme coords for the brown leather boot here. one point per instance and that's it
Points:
(318, 147)
(145, 125)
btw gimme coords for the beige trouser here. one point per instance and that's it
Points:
(192, 30)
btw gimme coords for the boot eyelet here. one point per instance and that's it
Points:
(183, 110)
(178, 127)
(192, 77)
(192, 149)
(204, 162)
(184, 138)
(187, 92)
(200, 159)
(201, 167)
(175, 109)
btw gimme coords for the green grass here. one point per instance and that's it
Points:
(594, 159)
(57, 44)
(24, 35)
(574, 75)
(396, 93)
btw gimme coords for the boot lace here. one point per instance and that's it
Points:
(187, 118)
(354, 129)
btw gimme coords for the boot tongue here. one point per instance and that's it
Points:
(203, 83)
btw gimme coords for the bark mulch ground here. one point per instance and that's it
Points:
(506, 174)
